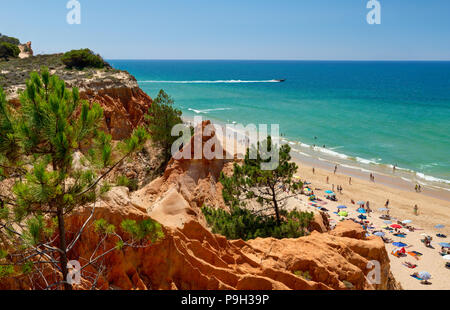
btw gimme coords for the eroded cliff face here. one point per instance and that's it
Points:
(191, 257)
(124, 103)
(118, 92)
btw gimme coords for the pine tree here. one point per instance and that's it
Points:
(37, 145)
(270, 188)
(162, 117)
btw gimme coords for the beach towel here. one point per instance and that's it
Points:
(409, 265)
(400, 235)
(417, 253)
(416, 277)
(414, 255)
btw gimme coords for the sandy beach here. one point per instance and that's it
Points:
(432, 211)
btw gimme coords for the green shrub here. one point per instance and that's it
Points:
(8, 50)
(243, 224)
(83, 58)
(10, 40)
(304, 274)
(132, 184)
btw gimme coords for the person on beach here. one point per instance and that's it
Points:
(314, 171)
(350, 180)
(394, 167)
(335, 169)
(416, 210)
(332, 187)
(328, 178)
(387, 204)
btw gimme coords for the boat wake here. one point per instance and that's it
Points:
(206, 111)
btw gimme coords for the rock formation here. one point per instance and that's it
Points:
(25, 50)
(124, 103)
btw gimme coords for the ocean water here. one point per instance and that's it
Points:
(367, 114)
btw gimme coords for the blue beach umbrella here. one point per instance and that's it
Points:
(361, 210)
(362, 217)
(342, 207)
(399, 244)
(424, 275)
(379, 234)
(406, 221)
(444, 244)
(361, 203)
(439, 226)
(329, 192)
(387, 222)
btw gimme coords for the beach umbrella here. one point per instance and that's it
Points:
(342, 207)
(343, 213)
(424, 275)
(329, 192)
(444, 244)
(361, 210)
(396, 226)
(360, 203)
(399, 244)
(388, 222)
(439, 226)
(446, 257)
(383, 209)
(379, 234)
(406, 221)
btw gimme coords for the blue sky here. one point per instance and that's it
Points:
(235, 29)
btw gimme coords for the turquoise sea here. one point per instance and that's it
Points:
(367, 114)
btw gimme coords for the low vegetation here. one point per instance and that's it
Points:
(132, 184)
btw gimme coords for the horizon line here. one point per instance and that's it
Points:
(243, 59)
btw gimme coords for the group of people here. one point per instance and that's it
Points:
(372, 177)
(418, 188)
